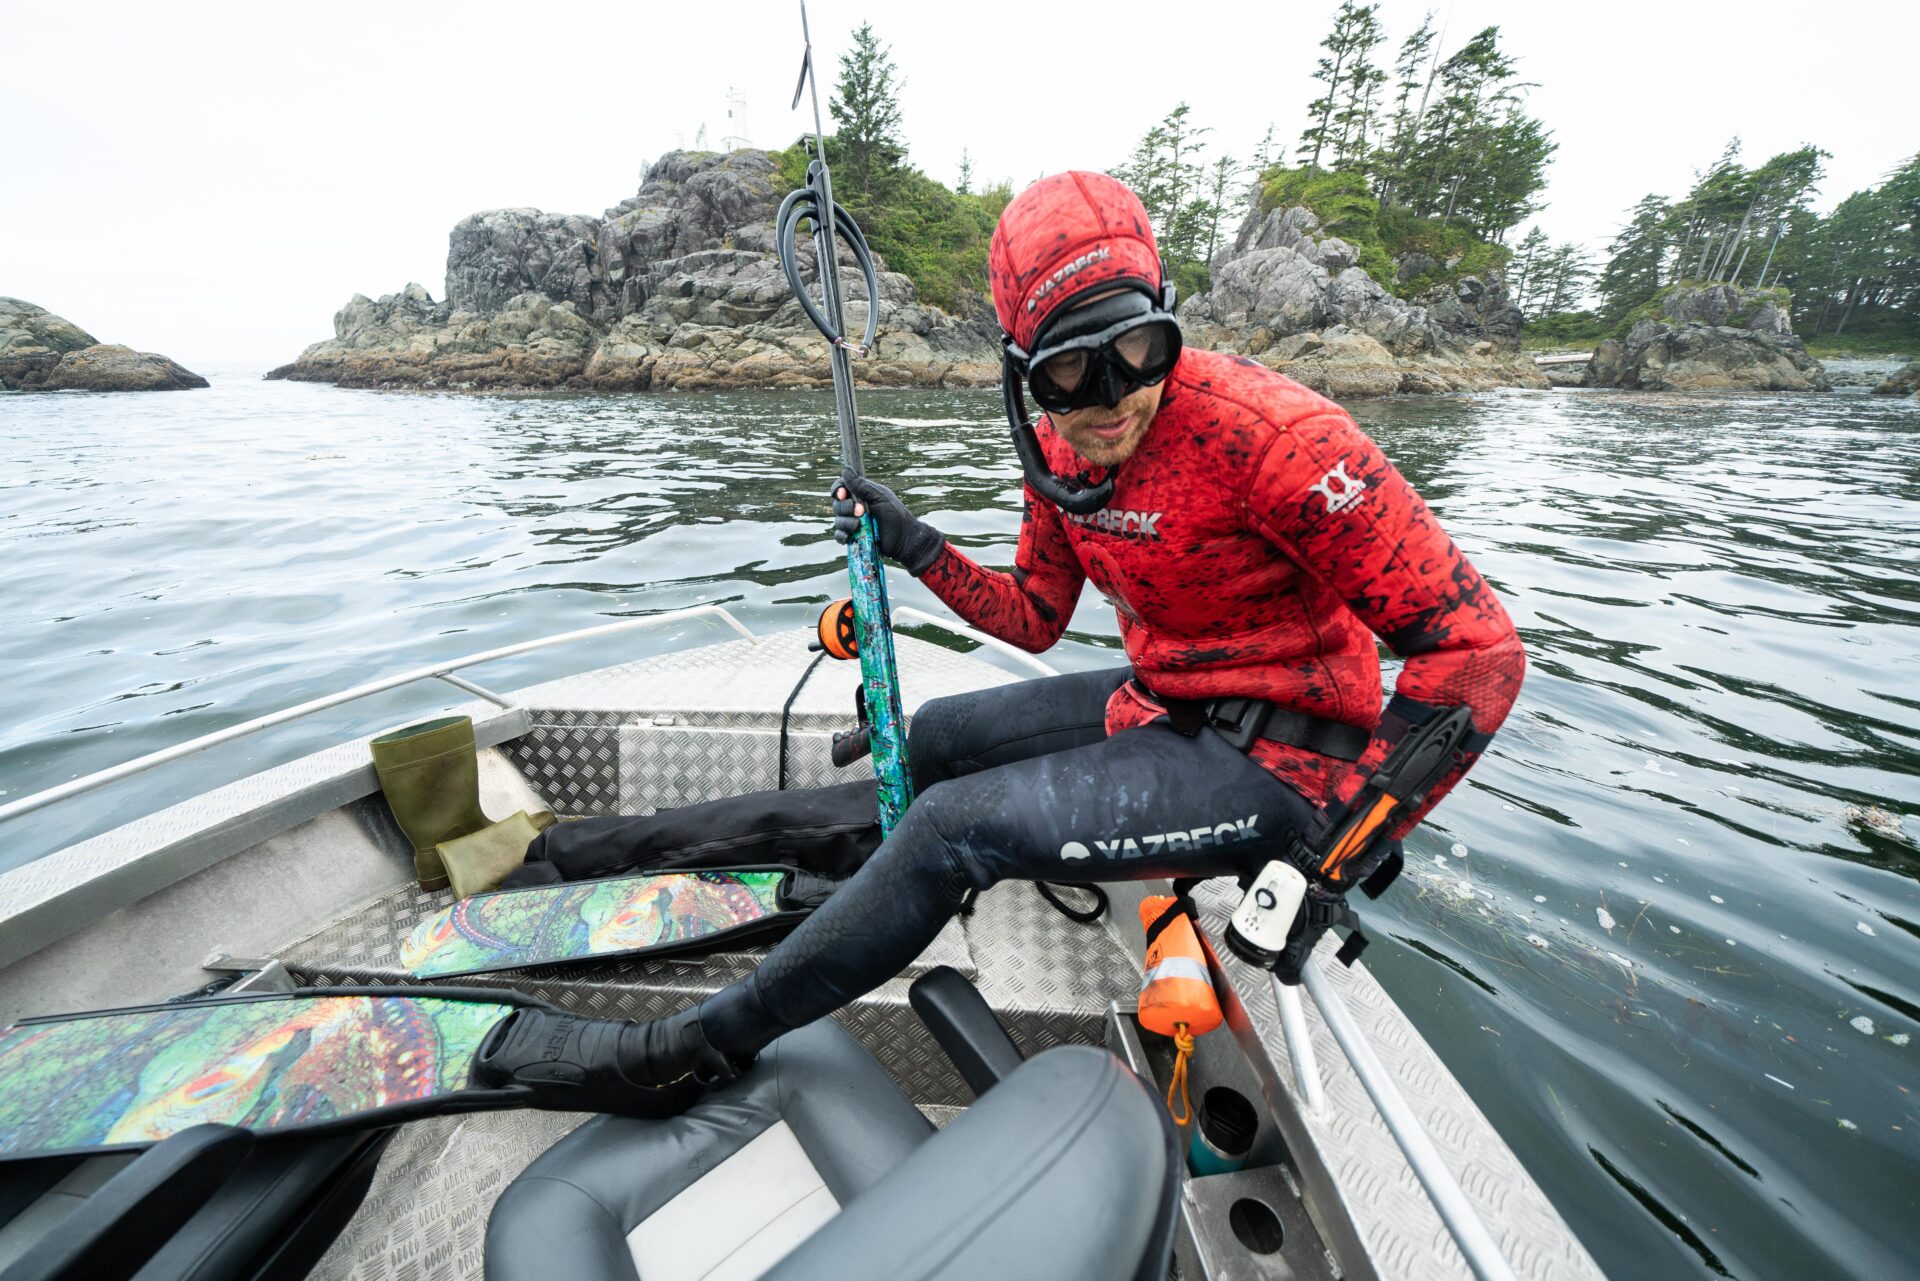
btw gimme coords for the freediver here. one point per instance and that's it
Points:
(1253, 542)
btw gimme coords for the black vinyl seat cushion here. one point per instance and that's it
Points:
(278, 1214)
(1067, 1169)
(571, 1213)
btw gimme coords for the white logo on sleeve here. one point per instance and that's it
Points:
(1339, 489)
(1074, 849)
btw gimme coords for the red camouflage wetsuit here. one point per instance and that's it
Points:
(1255, 544)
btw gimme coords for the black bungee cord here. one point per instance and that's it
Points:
(799, 206)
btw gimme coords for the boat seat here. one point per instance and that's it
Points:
(814, 1165)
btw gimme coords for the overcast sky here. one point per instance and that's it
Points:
(213, 181)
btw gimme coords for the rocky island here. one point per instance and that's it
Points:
(678, 288)
(1294, 297)
(40, 351)
(1709, 338)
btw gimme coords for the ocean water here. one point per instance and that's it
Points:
(1668, 934)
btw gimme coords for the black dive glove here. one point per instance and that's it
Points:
(903, 537)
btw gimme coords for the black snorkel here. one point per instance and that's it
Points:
(1077, 495)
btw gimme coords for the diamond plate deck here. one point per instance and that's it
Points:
(1014, 947)
(701, 724)
(45, 900)
(425, 1217)
(364, 948)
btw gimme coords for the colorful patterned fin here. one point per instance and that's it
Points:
(550, 924)
(130, 1078)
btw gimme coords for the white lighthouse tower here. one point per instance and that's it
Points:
(736, 135)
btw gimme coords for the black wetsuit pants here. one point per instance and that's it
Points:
(1016, 781)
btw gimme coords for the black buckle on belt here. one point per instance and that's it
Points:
(1240, 721)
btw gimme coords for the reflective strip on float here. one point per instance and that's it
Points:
(1177, 967)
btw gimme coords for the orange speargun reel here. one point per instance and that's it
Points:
(836, 635)
(1177, 997)
(835, 630)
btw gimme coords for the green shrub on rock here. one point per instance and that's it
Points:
(1344, 203)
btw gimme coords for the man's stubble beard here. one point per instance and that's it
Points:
(1140, 405)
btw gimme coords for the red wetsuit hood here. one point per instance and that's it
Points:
(1060, 237)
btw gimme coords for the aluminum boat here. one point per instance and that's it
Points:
(1370, 1159)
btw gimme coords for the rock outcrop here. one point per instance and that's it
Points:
(1564, 374)
(39, 351)
(1904, 381)
(1709, 338)
(677, 287)
(1297, 300)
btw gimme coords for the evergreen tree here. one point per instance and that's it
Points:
(1167, 173)
(1413, 71)
(1468, 79)
(1353, 25)
(1564, 276)
(1864, 255)
(1358, 90)
(1523, 270)
(1900, 205)
(866, 118)
(1509, 174)
(1220, 201)
(965, 185)
(1734, 215)
(1636, 258)
(1779, 188)
(1718, 193)
(1455, 143)
(1263, 157)
(1185, 181)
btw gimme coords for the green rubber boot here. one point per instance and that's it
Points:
(431, 776)
(479, 861)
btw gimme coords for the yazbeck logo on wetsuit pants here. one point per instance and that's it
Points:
(1229, 833)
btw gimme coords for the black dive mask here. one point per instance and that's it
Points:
(1094, 354)
(1100, 353)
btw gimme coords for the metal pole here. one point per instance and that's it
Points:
(1469, 1233)
(1293, 1022)
(73, 787)
(478, 691)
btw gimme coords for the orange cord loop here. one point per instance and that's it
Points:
(1183, 1043)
